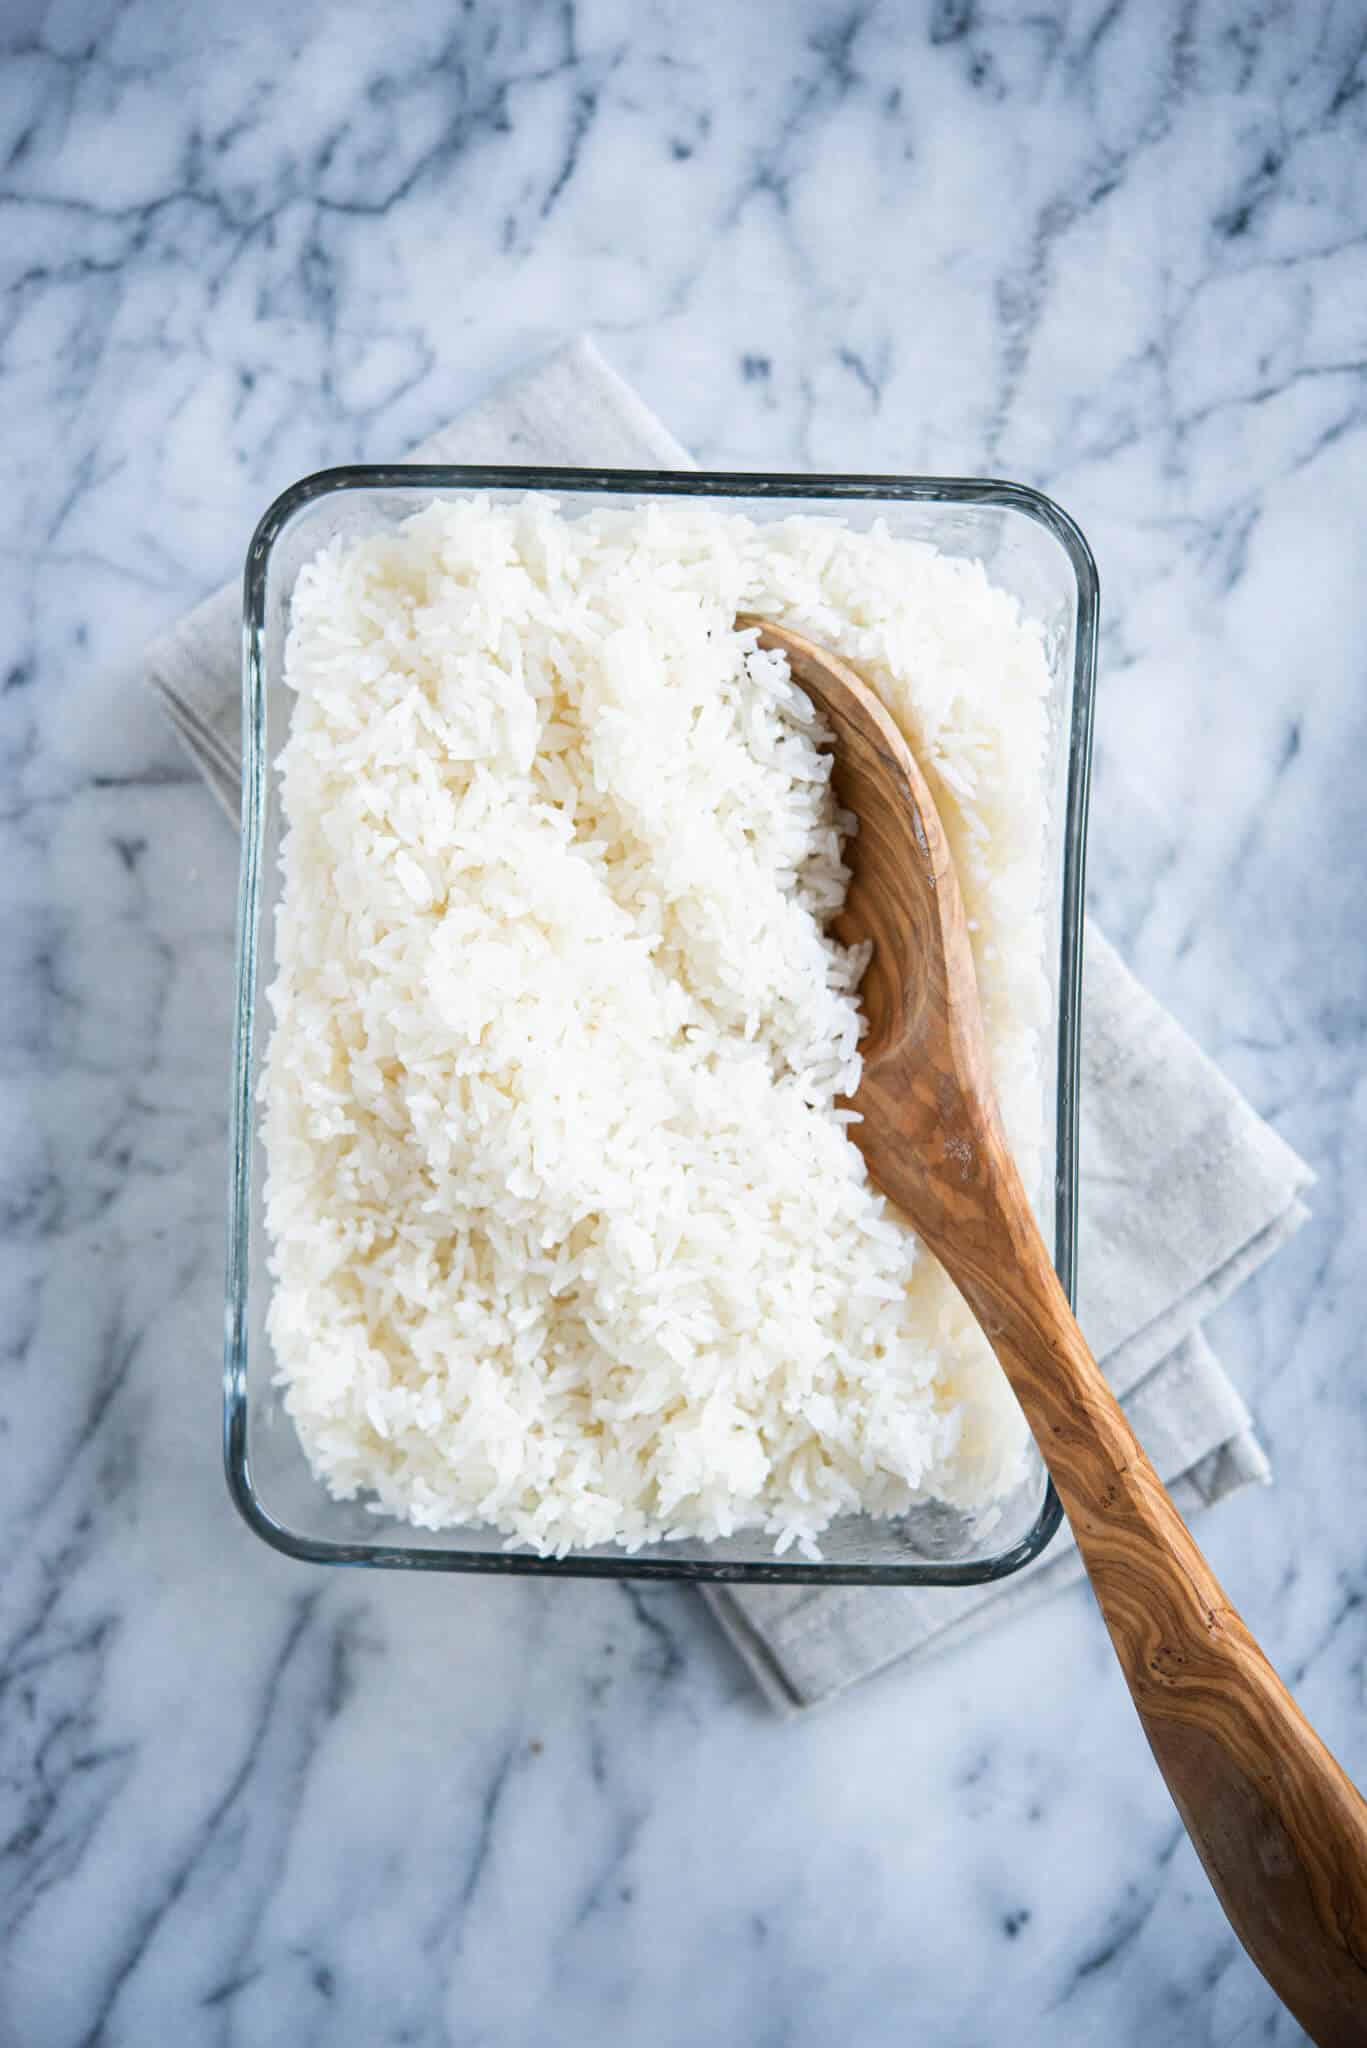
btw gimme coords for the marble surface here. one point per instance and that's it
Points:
(1118, 250)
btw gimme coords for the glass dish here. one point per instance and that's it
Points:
(1030, 548)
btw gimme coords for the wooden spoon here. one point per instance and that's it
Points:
(1281, 1830)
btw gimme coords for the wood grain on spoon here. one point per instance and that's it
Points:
(1281, 1830)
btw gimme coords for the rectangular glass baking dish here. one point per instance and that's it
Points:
(1028, 546)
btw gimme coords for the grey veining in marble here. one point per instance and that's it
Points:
(1118, 250)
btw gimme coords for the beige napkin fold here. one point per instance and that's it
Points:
(1184, 1190)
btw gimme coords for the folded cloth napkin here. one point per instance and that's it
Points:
(1184, 1190)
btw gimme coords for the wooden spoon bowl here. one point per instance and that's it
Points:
(1280, 1829)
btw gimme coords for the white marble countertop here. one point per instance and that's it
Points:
(1119, 251)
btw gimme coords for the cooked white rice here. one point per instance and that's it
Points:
(568, 1236)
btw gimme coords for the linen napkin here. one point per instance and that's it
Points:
(1184, 1190)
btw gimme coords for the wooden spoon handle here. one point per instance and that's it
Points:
(1281, 1830)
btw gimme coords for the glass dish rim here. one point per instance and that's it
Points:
(369, 477)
